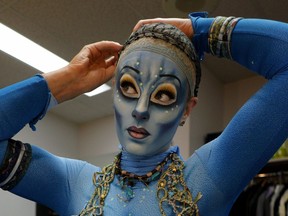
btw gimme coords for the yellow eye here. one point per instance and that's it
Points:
(129, 87)
(165, 94)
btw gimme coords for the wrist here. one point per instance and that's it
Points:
(59, 83)
(201, 25)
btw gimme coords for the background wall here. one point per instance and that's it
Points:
(207, 116)
(96, 141)
(236, 93)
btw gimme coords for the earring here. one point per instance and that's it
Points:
(182, 123)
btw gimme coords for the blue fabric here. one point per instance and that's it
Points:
(200, 27)
(21, 103)
(141, 165)
(219, 170)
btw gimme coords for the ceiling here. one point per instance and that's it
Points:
(65, 26)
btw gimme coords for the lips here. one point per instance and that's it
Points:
(138, 133)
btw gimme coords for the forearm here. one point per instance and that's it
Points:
(257, 44)
(261, 46)
(22, 103)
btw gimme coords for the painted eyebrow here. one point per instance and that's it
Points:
(131, 68)
(170, 75)
(161, 75)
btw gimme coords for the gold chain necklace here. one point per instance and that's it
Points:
(171, 187)
(173, 190)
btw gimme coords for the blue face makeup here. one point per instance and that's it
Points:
(149, 100)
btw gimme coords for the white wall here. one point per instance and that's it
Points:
(12, 205)
(53, 133)
(57, 136)
(207, 116)
(98, 141)
(237, 93)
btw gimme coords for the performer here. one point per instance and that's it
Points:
(156, 84)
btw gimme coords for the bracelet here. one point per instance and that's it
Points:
(15, 163)
(220, 32)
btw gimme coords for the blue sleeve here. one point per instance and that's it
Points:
(261, 125)
(22, 103)
(51, 180)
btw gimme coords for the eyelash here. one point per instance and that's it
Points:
(170, 94)
(165, 95)
(127, 82)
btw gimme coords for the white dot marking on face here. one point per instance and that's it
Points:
(167, 111)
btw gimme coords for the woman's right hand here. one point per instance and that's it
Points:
(184, 25)
(91, 67)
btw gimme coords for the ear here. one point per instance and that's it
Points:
(191, 103)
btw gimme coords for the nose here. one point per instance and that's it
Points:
(141, 110)
(139, 115)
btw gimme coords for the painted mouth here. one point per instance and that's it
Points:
(138, 133)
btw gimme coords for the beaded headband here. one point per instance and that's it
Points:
(172, 36)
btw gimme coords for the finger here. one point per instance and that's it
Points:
(146, 21)
(111, 61)
(108, 55)
(110, 72)
(105, 48)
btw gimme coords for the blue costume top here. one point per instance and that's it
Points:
(219, 170)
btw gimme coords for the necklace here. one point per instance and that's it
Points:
(171, 188)
(127, 179)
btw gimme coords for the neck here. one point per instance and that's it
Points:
(141, 165)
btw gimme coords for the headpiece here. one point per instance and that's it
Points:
(171, 38)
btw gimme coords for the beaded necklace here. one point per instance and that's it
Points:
(171, 188)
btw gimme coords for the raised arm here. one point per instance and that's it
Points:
(261, 125)
(27, 170)
(27, 101)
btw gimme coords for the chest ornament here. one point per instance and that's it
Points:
(172, 190)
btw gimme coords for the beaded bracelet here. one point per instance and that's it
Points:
(15, 163)
(220, 36)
